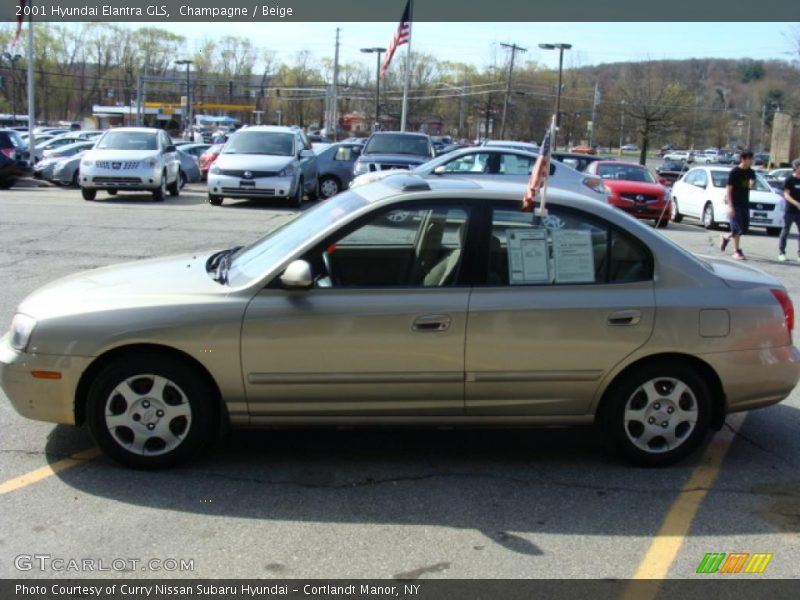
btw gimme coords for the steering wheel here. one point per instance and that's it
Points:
(332, 275)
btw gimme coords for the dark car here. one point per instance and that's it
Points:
(335, 167)
(761, 159)
(672, 170)
(577, 160)
(388, 150)
(14, 147)
(9, 169)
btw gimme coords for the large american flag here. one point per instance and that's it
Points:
(539, 173)
(401, 36)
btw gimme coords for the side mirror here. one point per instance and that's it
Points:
(440, 170)
(663, 181)
(170, 148)
(297, 275)
(306, 154)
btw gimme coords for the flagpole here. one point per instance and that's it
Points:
(31, 112)
(408, 68)
(542, 210)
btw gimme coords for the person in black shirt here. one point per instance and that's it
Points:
(737, 197)
(791, 210)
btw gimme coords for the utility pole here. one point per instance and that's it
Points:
(621, 126)
(334, 113)
(514, 49)
(595, 100)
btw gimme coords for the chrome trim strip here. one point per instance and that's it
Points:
(535, 376)
(344, 378)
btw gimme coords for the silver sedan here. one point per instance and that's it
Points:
(468, 312)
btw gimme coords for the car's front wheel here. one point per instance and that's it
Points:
(676, 215)
(175, 187)
(88, 194)
(296, 200)
(658, 414)
(161, 191)
(773, 231)
(708, 216)
(214, 200)
(149, 411)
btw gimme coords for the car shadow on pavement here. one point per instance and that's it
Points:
(507, 484)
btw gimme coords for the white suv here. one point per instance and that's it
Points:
(131, 159)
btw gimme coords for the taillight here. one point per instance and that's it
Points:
(9, 152)
(786, 304)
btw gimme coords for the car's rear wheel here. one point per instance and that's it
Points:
(88, 194)
(773, 231)
(111, 192)
(214, 200)
(708, 216)
(149, 411)
(658, 414)
(7, 184)
(329, 186)
(675, 215)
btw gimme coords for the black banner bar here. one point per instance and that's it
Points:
(279, 11)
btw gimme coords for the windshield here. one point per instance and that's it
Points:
(260, 142)
(253, 261)
(128, 140)
(720, 180)
(398, 144)
(625, 173)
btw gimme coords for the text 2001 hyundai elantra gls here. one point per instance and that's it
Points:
(466, 312)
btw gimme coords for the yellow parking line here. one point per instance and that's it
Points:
(44, 472)
(668, 540)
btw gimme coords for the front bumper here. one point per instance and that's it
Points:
(139, 179)
(642, 210)
(51, 400)
(229, 186)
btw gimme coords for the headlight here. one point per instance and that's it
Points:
(21, 330)
(360, 167)
(150, 162)
(287, 171)
(214, 170)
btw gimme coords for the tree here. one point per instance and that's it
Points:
(654, 102)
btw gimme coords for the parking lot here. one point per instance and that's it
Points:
(351, 503)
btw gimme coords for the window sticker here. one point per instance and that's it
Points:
(573, 256)
(527, 256)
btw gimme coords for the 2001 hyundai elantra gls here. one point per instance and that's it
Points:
(466, 312)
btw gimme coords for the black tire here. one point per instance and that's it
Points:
(175, 187)
(296, 200)
(7, 184)
(183, 180)
(155, 429)
(161, 191)
(76, 178)
(634, 420)
(112, 192)
(662, 222)
(329, 186)
(676, 215)
(88, 194)
(708, 217)
(214, 200)
(313, 195)
(773, 231)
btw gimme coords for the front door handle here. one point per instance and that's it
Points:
(625, 317)
(431, 323)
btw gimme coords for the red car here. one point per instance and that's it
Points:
(634, 189)
(207, 158)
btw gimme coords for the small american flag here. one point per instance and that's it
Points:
(401, 36)
(539, 173)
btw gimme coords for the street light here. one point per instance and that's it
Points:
(188, 115)
(377, 80)
(560, 48)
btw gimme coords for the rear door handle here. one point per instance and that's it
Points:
(431, 323)
(625, 317)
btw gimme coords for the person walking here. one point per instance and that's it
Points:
(791, 210)
(737, 198)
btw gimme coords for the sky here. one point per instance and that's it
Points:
(478, 43)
